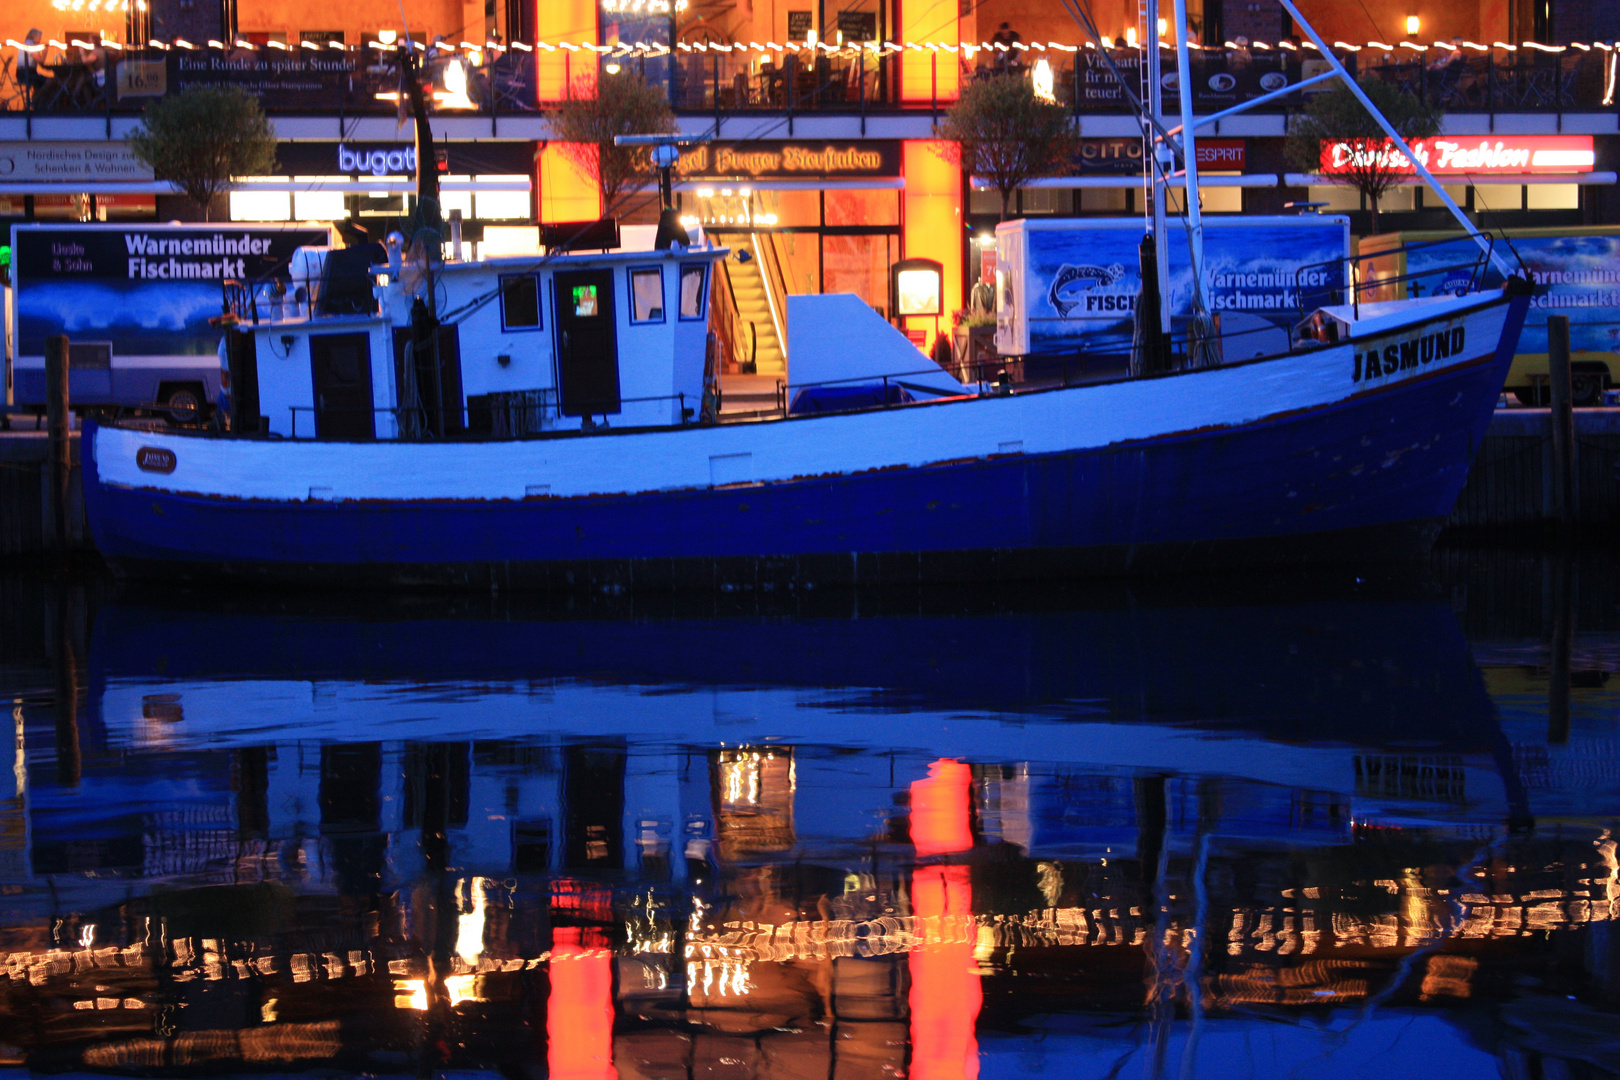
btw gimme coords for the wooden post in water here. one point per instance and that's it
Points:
(58, 422)
(1563, 423)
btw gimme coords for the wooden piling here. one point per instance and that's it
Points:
(1563, 423)
(58, 422)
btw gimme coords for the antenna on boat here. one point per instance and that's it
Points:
(1389, 129)
(666, 151)
(1201, 333)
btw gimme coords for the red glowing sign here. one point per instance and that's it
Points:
(1466, 155)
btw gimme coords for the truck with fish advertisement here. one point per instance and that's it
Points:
(1576, 273)
(1068, 285)
(134, 301)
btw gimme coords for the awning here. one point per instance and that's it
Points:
(1473, 179)
(368, 186)
(881, 183)
(1248, 180)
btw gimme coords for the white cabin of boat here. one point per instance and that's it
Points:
(527, 344)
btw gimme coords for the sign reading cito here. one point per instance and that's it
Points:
(1452, 156)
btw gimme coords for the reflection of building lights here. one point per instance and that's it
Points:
(705, 193)
(455, 87)
(470, 927)
(411, 994)
(461, 988)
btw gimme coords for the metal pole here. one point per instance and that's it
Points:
(1189, 151)
(1394, 136)
(1161, 234)
(58, 421)
(1563, 422)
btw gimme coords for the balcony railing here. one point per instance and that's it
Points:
(357, 80)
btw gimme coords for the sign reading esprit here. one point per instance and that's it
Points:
(1506, 154)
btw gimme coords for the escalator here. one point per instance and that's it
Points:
(750, 319)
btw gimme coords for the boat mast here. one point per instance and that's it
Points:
(1152, 164)
(1189, 158)
(1389, 129)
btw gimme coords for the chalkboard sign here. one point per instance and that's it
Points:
(798, 25)
(858, 25)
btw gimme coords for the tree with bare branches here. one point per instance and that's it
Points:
(1009, 135)
(622, 104)
(1362, 156)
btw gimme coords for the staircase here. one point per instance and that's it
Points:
(753, 307)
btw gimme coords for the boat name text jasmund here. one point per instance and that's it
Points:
(1411, 353)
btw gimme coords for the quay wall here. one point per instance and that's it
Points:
(27, 525)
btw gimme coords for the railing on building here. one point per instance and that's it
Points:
(365, 79)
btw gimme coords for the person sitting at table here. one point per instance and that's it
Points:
(29, 75)
(1003, 41)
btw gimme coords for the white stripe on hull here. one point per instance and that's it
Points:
(661, 460)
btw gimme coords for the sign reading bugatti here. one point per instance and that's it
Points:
(1073, 284)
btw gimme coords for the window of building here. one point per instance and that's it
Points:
(1495, 197)
(261, 205)
(1339, 198)
(984, 201)
(866, 207)
(1220, 200)
(1102, 200)
(1552, 197)
(647, 295)
(501, 205)
(520, 302)
(324, 205)
(693, 292)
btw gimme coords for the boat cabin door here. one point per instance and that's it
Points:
(341, 367)
(587, 346)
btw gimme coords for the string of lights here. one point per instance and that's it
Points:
(620, 49)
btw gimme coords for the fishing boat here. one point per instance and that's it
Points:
(548, 423)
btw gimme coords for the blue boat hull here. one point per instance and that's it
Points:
(1369, 478)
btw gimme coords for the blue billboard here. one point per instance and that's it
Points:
(1074, 284)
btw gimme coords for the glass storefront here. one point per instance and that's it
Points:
(822, 241)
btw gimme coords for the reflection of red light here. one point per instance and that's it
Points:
(579, 1012)
(939, 809)
(945, 993)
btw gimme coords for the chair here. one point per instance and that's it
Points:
(12, 96)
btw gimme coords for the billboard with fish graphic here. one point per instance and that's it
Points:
(1072, 284)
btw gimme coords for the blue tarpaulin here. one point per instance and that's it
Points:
(825, 399)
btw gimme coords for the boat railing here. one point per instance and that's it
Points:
(1362, 277)
(518, 419)
(887, 396)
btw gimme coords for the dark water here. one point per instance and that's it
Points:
(1319, 827)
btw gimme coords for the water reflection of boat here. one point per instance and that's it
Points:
(294, 839)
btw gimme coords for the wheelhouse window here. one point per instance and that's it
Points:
(647, 295)
(520, 302)
(693, 293)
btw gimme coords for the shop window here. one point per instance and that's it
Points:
(325, 205)
(1102, 200)
(121, 207)
(984, 201)
(502, 205)
(869, 207)
(647, 295)
(693, 292)
(455, 200)
(520, 302)
(1043, 200)
(1338, 198)
(1399, 197)
(787, 208)
(1552, 197)
(859, 265)
(261, 205)
(1496, 197)
(1220, 200)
